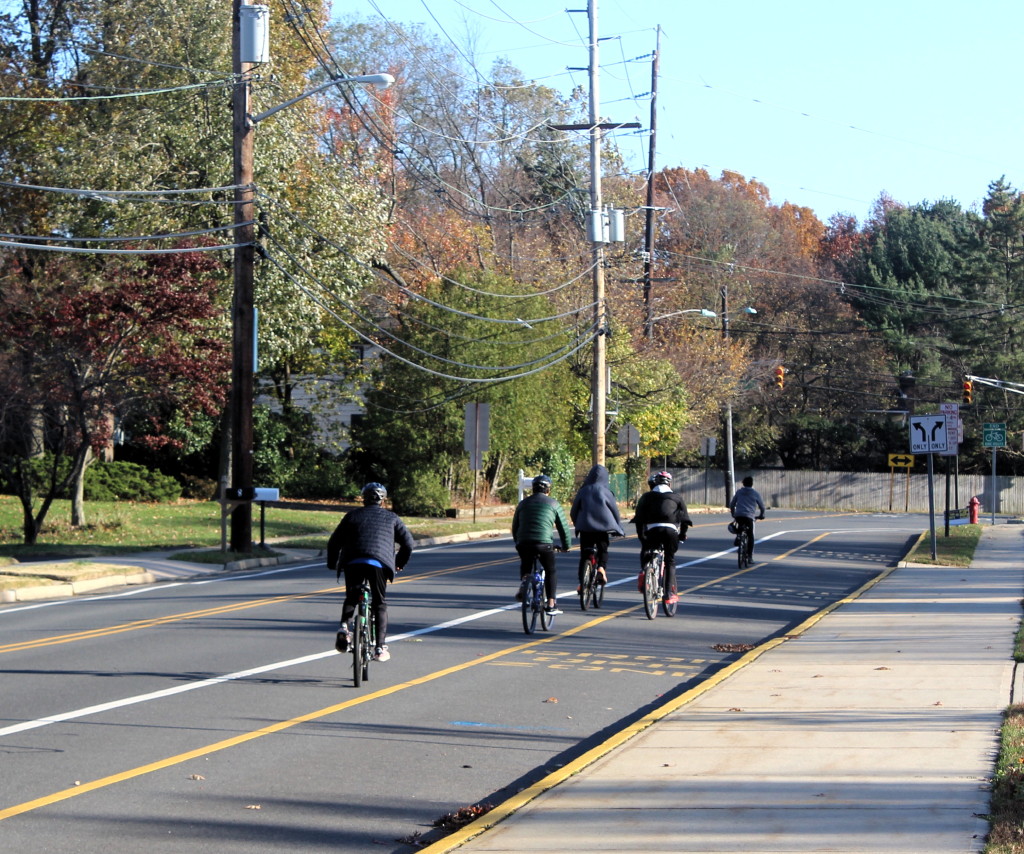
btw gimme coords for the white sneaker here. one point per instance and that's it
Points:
(553, 612)
(382, 654)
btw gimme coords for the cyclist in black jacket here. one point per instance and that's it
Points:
(661, 519)
(363, 546)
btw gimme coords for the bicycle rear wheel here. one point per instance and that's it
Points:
(742, 559)
(652, 571)
(358, 641)
(587, 585)
(531, 608)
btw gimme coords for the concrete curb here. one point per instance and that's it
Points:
(67, 590)
(78, 588)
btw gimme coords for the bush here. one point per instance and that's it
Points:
(557, 463)
(421, 494)
(119, 481)
(326, 478)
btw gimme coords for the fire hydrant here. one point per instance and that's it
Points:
(972, 510)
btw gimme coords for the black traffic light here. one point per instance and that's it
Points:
(968, 392)
(780, 377)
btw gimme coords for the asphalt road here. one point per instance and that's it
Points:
(214, 715)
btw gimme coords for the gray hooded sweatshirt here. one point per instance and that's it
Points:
(594, 509)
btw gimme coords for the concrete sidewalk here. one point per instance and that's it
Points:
(871, 729)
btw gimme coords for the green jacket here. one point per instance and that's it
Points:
(536, 517)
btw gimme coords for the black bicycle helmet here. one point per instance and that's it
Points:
(542, 483)
(661, 478)
(374, 493)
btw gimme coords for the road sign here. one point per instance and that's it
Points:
(993, 435)
(629, 439)
(901, 461)
(954, 428)
(708, 445)
(927, 434)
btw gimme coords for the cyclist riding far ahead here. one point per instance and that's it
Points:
(595, 515)
(747, 505)
(536, 518)
(661, 519)
(363, 546)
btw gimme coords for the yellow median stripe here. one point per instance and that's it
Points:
(234, 741)
(213, 612)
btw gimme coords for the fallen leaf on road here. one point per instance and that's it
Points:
(551, 700)
(196, 777)
(253, 807)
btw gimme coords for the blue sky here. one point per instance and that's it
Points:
(828, 105)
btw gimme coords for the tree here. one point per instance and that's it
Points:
(413, 430)
(131, 343)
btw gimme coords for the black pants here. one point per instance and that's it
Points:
(598, 541)
(546, 553)
(378, 577)
(668, 539)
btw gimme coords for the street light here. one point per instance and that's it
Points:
(703, 312)
(730, 472)
(243, 320)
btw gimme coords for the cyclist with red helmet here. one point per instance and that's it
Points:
(661, 519)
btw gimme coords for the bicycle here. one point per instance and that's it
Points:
(654, 585)
(535, 600)
(364, 635)
(591, 590)
(744, 543)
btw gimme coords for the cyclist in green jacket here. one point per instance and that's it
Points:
(536, 518)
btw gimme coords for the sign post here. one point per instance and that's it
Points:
(477, 440)
(954, 433)
(707, 448)
(928, 436)
(993, 436)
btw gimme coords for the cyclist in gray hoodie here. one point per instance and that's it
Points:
(595, 515)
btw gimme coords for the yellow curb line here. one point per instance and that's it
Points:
(521, 799)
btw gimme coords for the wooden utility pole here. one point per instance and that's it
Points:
(649, 220)
(598, 380)
(242, 315)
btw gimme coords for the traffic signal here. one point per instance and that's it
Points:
(780, 377)
(968, 392)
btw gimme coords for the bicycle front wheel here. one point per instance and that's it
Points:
(651, 593)
(668, 607)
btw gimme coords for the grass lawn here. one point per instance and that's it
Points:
(124, 527)
(955, 550)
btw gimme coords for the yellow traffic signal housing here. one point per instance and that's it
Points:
(968, 392)
(780, 377)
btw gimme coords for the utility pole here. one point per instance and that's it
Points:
(242, 315)
(649, 221)
(598, 390)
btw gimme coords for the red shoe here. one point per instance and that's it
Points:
(671, 599)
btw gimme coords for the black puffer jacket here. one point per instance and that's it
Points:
(372, 532)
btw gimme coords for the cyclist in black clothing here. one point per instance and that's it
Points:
(363, 546)
(661, 519)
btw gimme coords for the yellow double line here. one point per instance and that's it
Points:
(210, 612)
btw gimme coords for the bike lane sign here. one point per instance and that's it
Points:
(928, 434)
